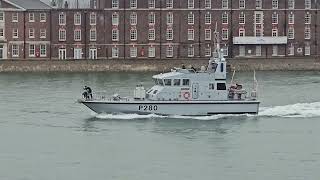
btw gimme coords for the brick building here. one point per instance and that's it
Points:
(162, 29)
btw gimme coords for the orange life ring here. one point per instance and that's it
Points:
(186, 95)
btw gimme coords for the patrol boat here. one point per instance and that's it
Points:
(184, 91)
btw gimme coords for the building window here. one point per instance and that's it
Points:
(152, 33)
(291, 33)
(115, 35)
(242, 4)
(274, 4)
(14, 17)
(32, 50)
(151, 52)
(224, 18)
(207, 18)
(152, 18)
(274, 32)
(1, 33)
(258, 18)
(93, 34)
(43, 17)
(31, 17)
(151, 3)
(242, 18)
(291, 18)
(1, 16)
(43, 33)
(225, 34)
(133, 3)
(224, 4)
(77, 19)
(15, 33)
(207, 4)
(225, 50)
(133, 18)
(190, 34)
(93, 19)
(31, 33)
(258, 50)
(190, 51)
(115, 4)
(258, 32)
(190, 18)
(258, 4)
(169, 4)
(169, 34)
(43, 50)
(207, 51)
(242, 32)
(77, 35)
(275, 50)
(62, 34)
(15, 50)
(291, 4)
(275, 18)
(307, 50)
(169, 18)
(207, 34)
(115, 19)
(133, 52)
(115, 52)
(169, 51)
(307, 32)
(190, 4)
(62, 19)
(307, 18)
(307, 4)
(133, 34)
(291, 50)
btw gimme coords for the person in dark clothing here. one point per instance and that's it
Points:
(89, 91)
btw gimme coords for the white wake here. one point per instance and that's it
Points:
(302, 110)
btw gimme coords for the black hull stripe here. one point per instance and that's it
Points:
(193, 103)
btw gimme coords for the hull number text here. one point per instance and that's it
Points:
(148, 107)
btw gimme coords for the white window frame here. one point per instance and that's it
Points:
(43, 17)
(291, 18)
(152, 34)
(291, 33)
(242, 32)
(208, 51)
(114, 52)
(115, 34)
(77, 18)
(190, 4)
(225, 34)
(190, 34)
(242, 4)
(274, 32)
(93, 34)
(62, 18)
(169, 18)
(133, 52)
(15, 50)
(31, 17)
(115, 4)
(169, 4)
(307, 18)
(291, 50)
(43, 50)
(43, 33)
(1, 16)
(258, 17)
(133, 4)
(133, 19)
(169, 51)
(151, 52)
(275, 4)
(115, 19)
(152, 18)
(258, 4)
(307, 50)
(225, 18)
(151, 4)
(291, 4)
(15, 33)
(77, 35)
(275, 18)
(207, 4)
(31, 33)
(93, 19)
(133, 34)
(1, 32)
(62, 35)
(242, 18)
(191, 51)
(32, 51)
(207, 18)
(307, 4)
(190, 18)
(224, 4)
(169, 34)
(307, 32)
(15, 17)
(207, 34)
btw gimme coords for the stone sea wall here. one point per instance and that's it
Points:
(144, 65)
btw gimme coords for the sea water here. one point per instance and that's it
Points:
(45, 134)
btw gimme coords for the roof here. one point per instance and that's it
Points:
(29, 4)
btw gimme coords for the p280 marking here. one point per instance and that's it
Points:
(148, 107)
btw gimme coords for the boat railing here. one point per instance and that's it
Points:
(106, 97)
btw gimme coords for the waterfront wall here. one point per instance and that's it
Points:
(145, 65)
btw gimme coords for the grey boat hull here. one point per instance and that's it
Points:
(187, 108)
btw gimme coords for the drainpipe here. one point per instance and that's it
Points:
(230, 48)
(124, 29)
(85, 35)
(199, 26)
(50, 36)
(160, 29)
(24, 34)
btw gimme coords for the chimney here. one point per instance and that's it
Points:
(66, 5)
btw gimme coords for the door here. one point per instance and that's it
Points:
(195, 90)
(93, 53)
(1, 51)
(242, 51)
(77, 53)
(62, 53)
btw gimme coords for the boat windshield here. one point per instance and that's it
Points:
(160, 81)
(155, 81)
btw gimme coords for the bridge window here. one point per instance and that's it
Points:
(211, 86)
(156, 81)
(160, 82)
(167, 82)
(176, 82)
(186, 82)
(221, 86)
